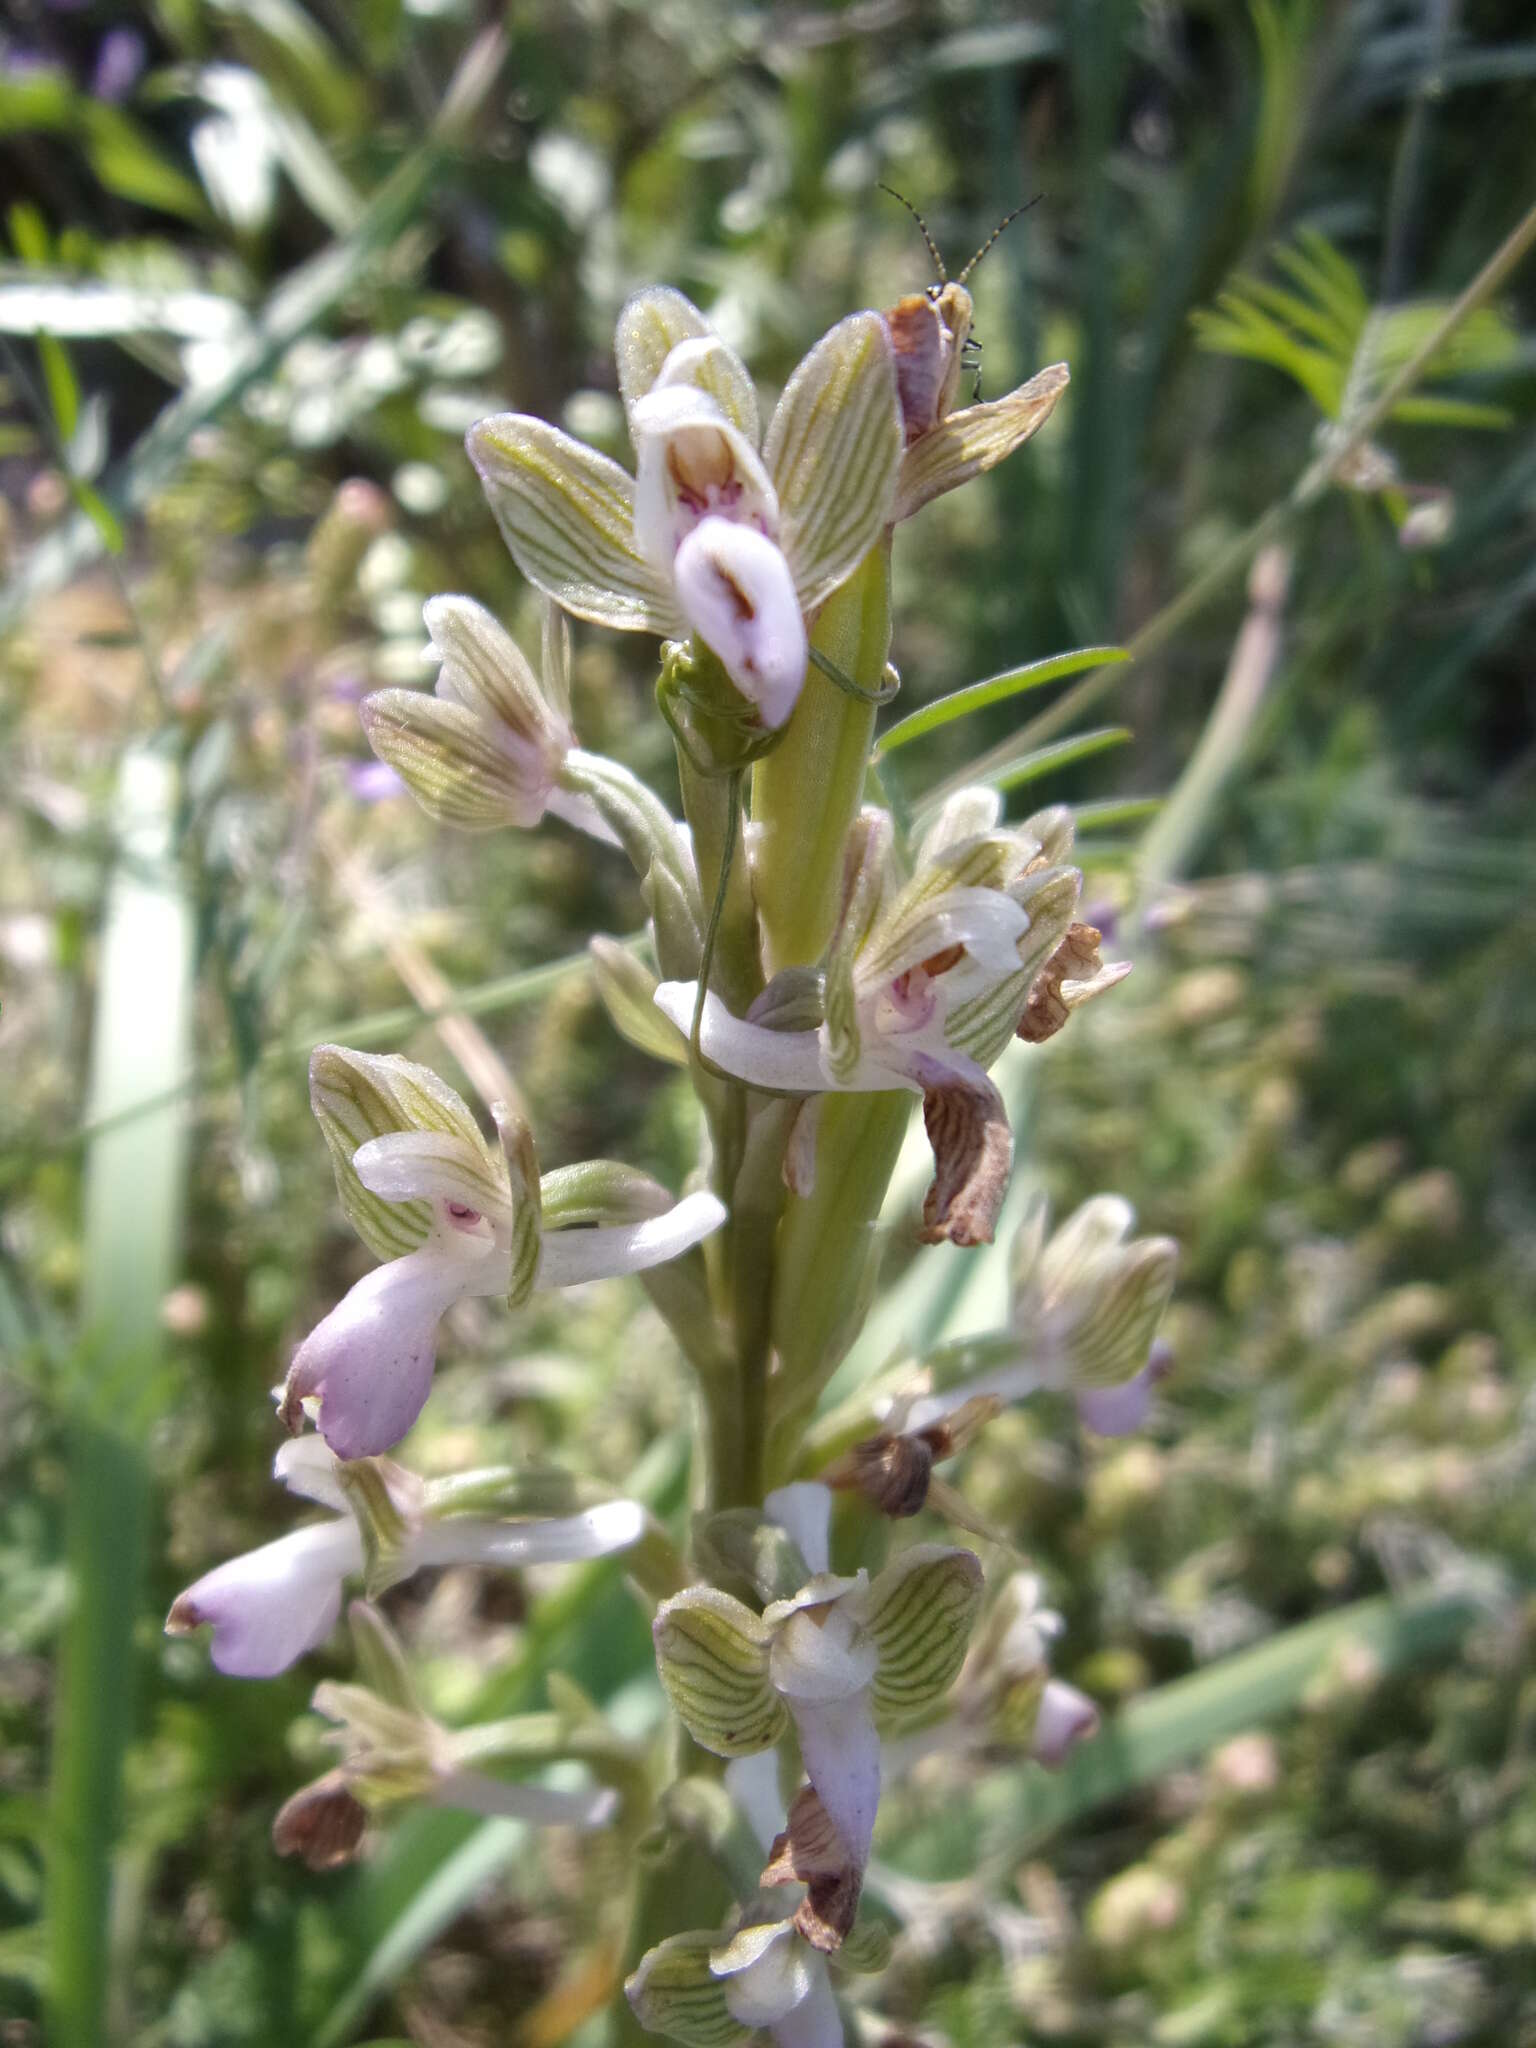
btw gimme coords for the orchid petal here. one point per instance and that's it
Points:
(803, 1510)
(1096, 1228)
(569, 1258)
(1064, 1716)
(735, 589)
(432, 1166)
(968, 442)
(484, 670)
(1116, 1411)
(673, 1992)
(712, 1655)
(600, 1531)
(919, 1614)
(713, 367)
(820, 1657)
(370, 1362)
(690, 461)
(833, 448)
(968, 814)
(568, 516)
(986, 922)
(841, 1753)
(788, 1061)
(767, 1973)
(967, 1124)
(814, 2021)
(356, 1096)
(651, 325)
(307, 1466)
(459, 768)
(270, 1606)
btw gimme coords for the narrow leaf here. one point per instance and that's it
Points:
(995, 690)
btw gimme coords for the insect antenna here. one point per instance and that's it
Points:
(1006, 221)
(933, 248)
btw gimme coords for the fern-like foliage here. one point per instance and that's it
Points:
(1322, 330)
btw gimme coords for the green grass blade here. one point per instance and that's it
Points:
(1116, 810)
(1043, 760)
(1014, 1810)
(132, 1238)
(995, 690)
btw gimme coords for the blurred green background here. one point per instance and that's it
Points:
(263, 263)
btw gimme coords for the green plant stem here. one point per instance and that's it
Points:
(757, 1203)
(827, 1258)
(807, 791)
(736, 973)
(132, 1240)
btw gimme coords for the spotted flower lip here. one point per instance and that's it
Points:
(270, 1606)
(451, 1219)
(726, 532)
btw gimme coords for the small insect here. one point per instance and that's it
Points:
(931, 334)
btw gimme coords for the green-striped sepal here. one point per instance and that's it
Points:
(920, 1612)
(712, 1652)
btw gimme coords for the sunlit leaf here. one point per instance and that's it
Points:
(995, 690)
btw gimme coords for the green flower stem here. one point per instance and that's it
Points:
(806, 792)
(826, 1260)
(757, 1202)
(681, 1293)
(737, 972)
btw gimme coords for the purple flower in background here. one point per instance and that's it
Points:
(371, 781)
(119, 64)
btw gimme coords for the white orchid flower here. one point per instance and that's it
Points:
(451, 1218)
(833, 1657)
(927, 982)
(769, 1970)
(1087, 1300)
(734, 536)
(270, 1606)
(490, 745)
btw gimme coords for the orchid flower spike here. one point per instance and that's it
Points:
(270, 1606)
(729, 534)
(928, 980)
(451, 1217)
(1087, 1301)
(834, 1656)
